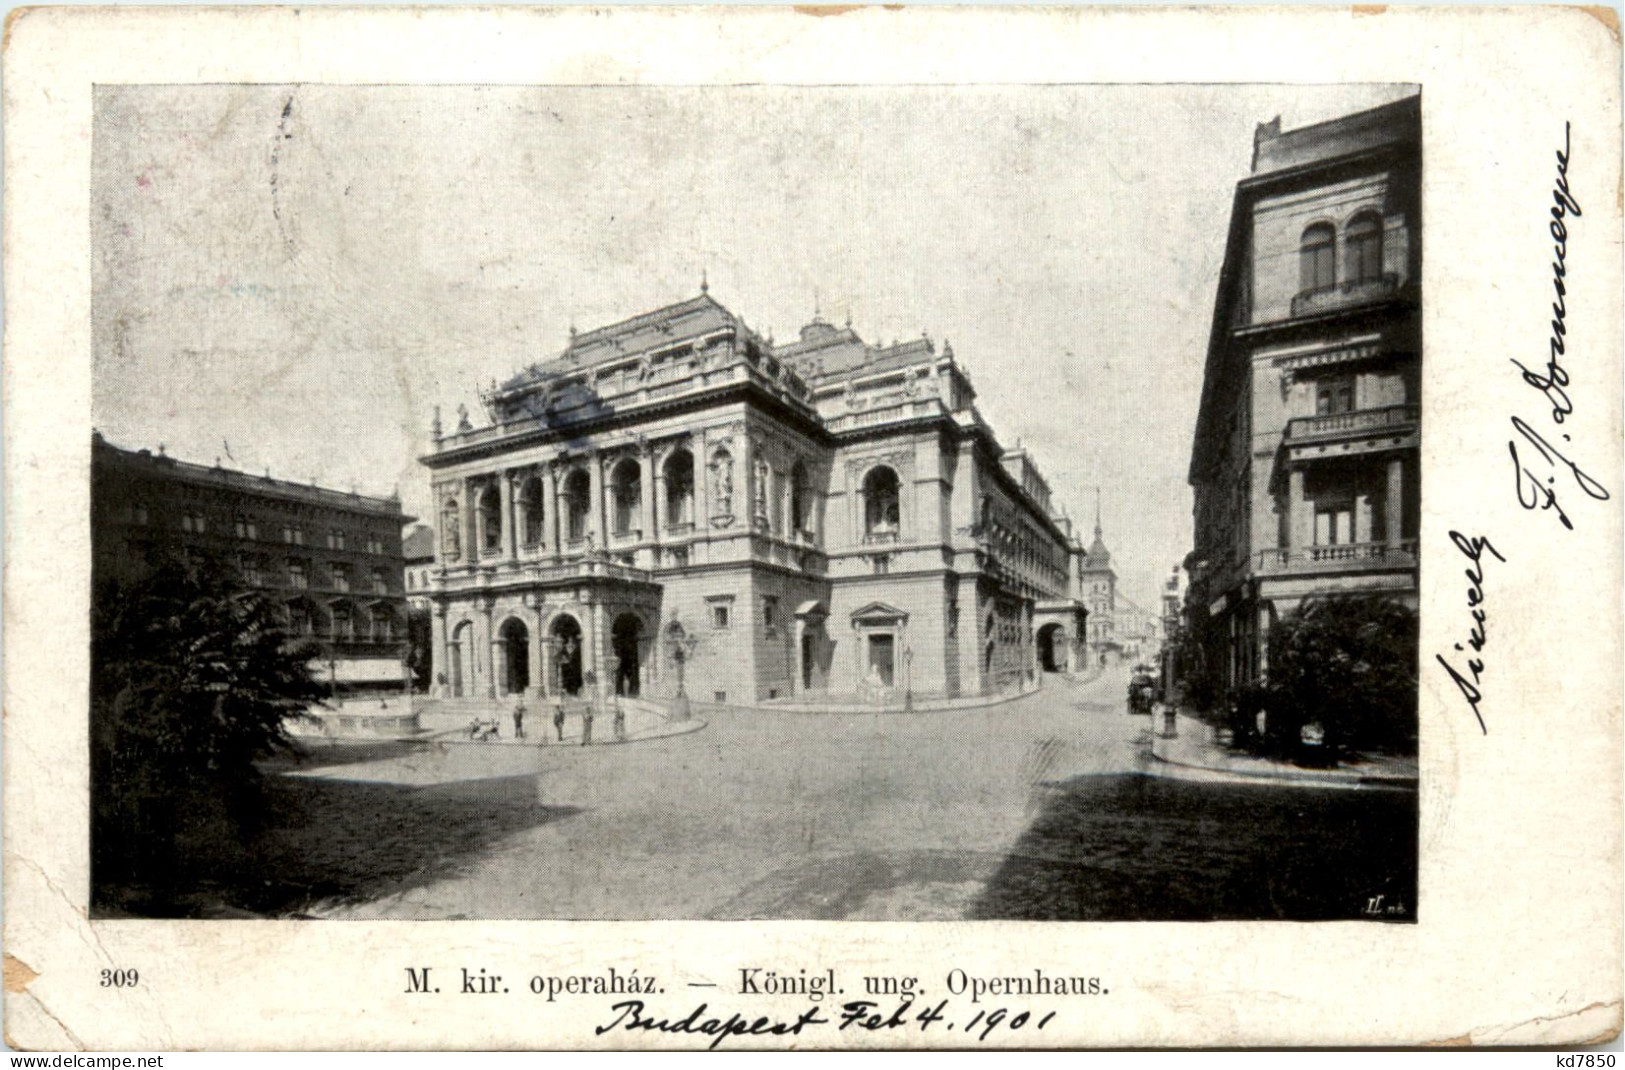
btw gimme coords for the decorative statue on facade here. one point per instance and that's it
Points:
(434, 428)
(723, 466)
(448, 537)
(463, 423)
(761, 487)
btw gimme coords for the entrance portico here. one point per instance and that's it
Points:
(549, 630)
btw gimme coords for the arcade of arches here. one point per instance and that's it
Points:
(494, 651)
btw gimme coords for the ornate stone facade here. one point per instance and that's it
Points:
(675, 502)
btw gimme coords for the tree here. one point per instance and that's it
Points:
(193, 680)
(420, 648)
(1347, 662)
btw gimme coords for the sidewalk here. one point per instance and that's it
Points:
(1193, 755)
(643, 722)
(849, 704)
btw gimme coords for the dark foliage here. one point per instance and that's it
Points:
(1348, 664)
(192, 681)
(420, 656)
(1194, 678)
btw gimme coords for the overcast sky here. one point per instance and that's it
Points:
(304, 281)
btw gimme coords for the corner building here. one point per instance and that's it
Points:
(1305, 464)
(675, 501)
(330, 560)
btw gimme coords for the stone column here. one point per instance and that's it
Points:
(510, 538)
(591, 641)
(854, 508)
(702, 485)
(1301, 524)
(744, 483)
(595, 473)
(646, 462)
(471, 548)
(479, 523)
(536, 658)
(487, 643)
(554, 521)
(438, 658)
(1395, 509)
(544, 652)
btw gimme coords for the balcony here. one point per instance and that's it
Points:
(354, 647)
(1346, 557)
(880, 537)
(532, 571)
(1345, 295)
(1356, 424)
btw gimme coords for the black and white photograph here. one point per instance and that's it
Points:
(812, 528)
(838, 503)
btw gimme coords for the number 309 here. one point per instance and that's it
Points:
(120, 978)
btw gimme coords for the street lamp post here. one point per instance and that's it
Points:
(908, 678)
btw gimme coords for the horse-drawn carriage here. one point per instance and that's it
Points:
(1142, 692)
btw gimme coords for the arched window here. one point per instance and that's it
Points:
(1362, 248)
(577, 502)
(626, 491)
(798, 499)
(490, 519)
(1317, 258)
(530, 508)
(343, 622)
(383, 625)
(679, 489)
(881, 512)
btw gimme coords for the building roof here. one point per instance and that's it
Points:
(163, 466)
(1278, 150)
(693, 318)
(418, 545)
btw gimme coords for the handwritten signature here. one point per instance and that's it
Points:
(1537, 490)
(1474, 549)
(1545, 497)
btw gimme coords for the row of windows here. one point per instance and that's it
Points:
(194, 522)
(341, 623)
(1362, 253)
(722, 613)
(298, 575)
(624, 493)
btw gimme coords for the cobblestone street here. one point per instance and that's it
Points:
(1038, 808)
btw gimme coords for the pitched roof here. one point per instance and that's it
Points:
(418, 545)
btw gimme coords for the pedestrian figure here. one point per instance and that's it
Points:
(558, 716)
(620, 721)
(589, 683)
(519, 718)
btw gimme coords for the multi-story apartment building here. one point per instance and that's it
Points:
(1305, 460)
(331, 559)
(676, 500)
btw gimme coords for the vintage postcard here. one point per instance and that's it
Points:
(723, 528)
